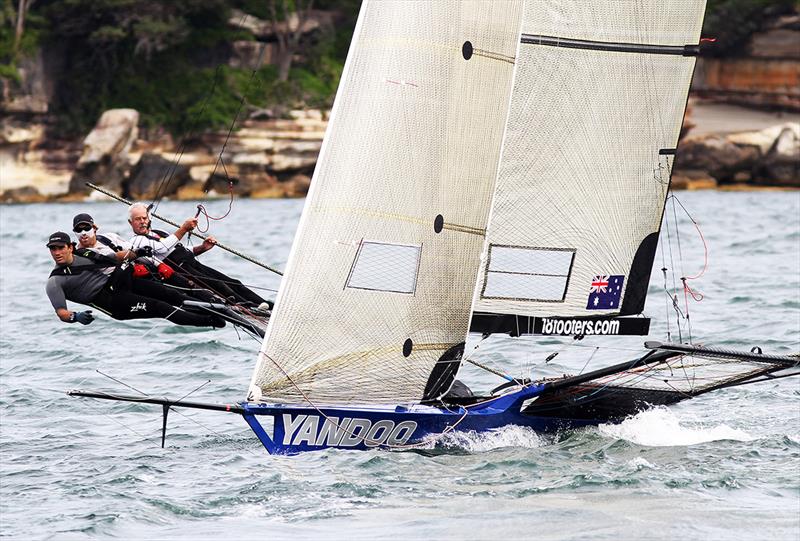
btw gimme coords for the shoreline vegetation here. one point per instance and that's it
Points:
(142, 97)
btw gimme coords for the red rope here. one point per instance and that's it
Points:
(202, 210)
(705, 253)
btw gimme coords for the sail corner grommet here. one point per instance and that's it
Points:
(466, 50)
(408, 345)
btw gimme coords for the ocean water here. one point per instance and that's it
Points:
(723, 466)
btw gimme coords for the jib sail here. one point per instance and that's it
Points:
(596, 111)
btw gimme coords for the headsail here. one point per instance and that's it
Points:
(380, 279)
(596, 111)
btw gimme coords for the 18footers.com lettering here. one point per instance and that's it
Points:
(578, 326)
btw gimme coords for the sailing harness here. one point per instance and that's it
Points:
(102, 239)
(98, 262)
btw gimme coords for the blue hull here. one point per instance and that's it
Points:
(297, 429)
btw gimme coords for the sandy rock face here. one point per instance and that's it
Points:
(769, 157)
(25, 194)
(113, 135)
(29, 158)
(245, 178)
(104, 160)
(782, 161)
(154, 176)
(716, 155)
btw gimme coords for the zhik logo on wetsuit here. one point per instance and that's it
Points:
(345, 432)
(139, 306)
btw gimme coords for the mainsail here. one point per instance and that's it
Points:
(596, 111)
(380, 279)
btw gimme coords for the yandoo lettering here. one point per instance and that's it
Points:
(572, 327)
(344, 432)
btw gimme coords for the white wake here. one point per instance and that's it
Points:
(660, 427)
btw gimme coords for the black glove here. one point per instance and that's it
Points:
(144, 251)
(84, 318)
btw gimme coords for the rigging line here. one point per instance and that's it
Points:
(666, 302)
(702, 238)
(673, 296)
(198, 423)
(683, 273)
(199, 279)
(101, 412)
(609, 348)
(467, 358)
(493, 371)
(51, 402)
(591, 356)
(217, 72)
(201, 209)
(216, 280)
(190, 392)
(172, 168)
(236, 116)
(145, 394)
(239, 445)
(190, 233)
(158, 323)
(120, 382)
(246, 329)
(688, 395)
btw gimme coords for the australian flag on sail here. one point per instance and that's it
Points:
(605, 292)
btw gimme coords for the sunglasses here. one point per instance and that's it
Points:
(82, 228)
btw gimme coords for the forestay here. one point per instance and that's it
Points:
(380, 279)
(596, 111)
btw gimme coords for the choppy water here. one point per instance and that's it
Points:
(723, 466)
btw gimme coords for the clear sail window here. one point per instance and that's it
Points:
(527, 273)
(385, 267)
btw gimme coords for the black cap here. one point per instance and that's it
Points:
(82, 219)
(59, 237)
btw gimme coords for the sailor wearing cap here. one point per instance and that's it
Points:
(168, 249)
(108, 244)
(82, 280)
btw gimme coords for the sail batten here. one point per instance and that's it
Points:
(643, 48)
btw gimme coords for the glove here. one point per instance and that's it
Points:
(84, 318)
(144, 251)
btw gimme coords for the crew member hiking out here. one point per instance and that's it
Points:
(168, 249)
(81, 279)
(138, 277)
(107, 244)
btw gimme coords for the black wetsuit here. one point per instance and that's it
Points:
(182, 259)
(84, 282)
(188, 268)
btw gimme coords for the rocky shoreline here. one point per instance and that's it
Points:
(264, 158)
(732, 137)
(269, 158)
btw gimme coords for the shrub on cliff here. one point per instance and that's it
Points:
(732, 22)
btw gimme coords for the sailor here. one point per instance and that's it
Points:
(91, 245)
(80, 279)
(107, 244)
(168, 249)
